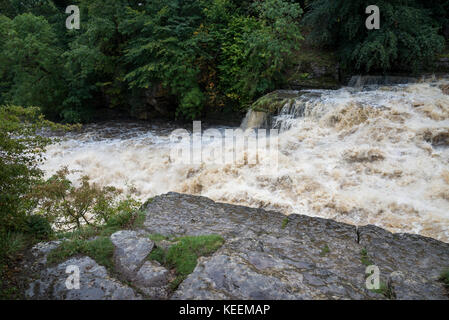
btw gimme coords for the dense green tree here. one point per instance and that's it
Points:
(203, 54)
(30, 63)
(13, 8)
(408, 37)
(21, 151)
(163, 48)
(201, 49)
(256, 49)
(92, 62)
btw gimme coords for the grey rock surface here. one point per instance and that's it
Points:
(411, 264)
(95, 283)
(131, 261)
(131, 250)
(268, 257)
(265, 255)
(153, 280)
(41, 250)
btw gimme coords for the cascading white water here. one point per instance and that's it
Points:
(254, 119)
(375, 156)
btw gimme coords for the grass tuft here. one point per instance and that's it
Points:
(384, 290)
(364, 257)
(158, 237)
(11, 245)
(325, 250)
(182, 256)
(445, 277)
(284, 223)
(159, 255)
(100, 249)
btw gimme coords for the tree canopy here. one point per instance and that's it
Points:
(202, 54)
(409, 36)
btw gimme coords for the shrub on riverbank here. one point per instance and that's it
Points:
(30, 206)
(94, 240)
(21, 151)
(69, 206)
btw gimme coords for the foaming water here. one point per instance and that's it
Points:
(374, 156)
(254, 119)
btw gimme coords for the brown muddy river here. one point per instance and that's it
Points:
(373, 156)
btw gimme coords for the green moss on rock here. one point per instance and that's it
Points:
(325, 250)
(182, 256)
(100, 249)
(284, 223)
(364, 258)
(272, 102)
(445, 277)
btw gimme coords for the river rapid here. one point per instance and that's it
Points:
(374, 155)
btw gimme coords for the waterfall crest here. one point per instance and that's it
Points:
(370, 155)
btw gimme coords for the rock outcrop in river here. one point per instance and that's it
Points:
(265, 255)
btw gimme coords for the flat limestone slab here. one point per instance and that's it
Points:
(266, 256)
(130, 251)
(94, 283)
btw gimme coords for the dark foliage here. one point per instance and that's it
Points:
(408, 39)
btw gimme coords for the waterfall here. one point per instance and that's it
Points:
(360, 155)
(360, 81)
(254, 120)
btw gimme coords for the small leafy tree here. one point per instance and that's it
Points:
(69, 206)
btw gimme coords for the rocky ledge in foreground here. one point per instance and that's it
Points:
(264, 255)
